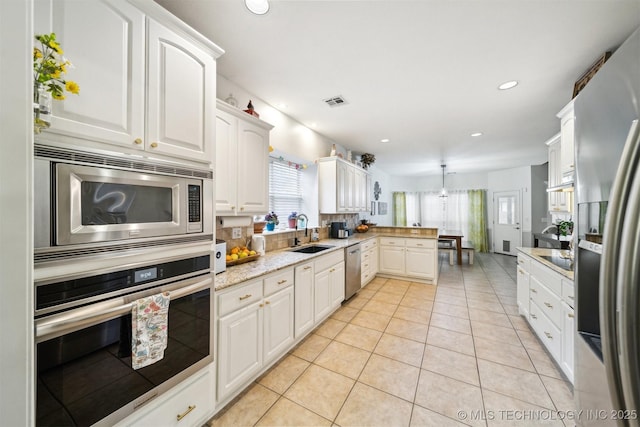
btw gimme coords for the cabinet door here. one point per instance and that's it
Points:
(336, 278)
(567, 164)
(350, 189)
(304, 320)
(568, 331)
(558, 200)
(391, 260)
(321, 295)
(342, 190)
(252, 169)
(181, 96)
(523, 292)
(239, 348)
(105, 43)
(226, 159)
(278, 323)
(420, 262)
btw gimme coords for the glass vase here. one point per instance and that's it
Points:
(42, 104)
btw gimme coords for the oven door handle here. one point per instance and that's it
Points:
(81, 318)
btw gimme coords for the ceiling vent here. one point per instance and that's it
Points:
(335, 101)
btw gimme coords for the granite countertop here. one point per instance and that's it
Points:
(277, 260)
(538, 253)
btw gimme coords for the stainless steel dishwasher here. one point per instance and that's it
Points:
(352, 270)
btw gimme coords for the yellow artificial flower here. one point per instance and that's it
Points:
(55, 74)
(72, 87)
(57, 96)
(55, 46)
(37, 53)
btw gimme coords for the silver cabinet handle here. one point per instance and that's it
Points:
(548, 305)
(548, 335)
(534, 290)
(280, 282)
(533, 316)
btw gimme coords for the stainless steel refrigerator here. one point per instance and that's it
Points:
(607, 189)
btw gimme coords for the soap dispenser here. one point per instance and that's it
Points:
(314, 235)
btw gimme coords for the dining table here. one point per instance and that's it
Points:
(453, 235)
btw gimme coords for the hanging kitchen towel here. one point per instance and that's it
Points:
(149, 321)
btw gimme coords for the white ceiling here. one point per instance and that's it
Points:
(422, 73)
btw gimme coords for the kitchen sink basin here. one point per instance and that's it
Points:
(312, 249)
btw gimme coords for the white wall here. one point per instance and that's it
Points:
(288, 135)
(384, 181)
(471, 181)
(16, 218)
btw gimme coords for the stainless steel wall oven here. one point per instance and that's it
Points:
(95, 203)
(84, 339)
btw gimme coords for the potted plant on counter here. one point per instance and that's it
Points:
(272, 220)
(293, 218)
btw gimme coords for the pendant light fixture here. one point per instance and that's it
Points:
(443, 193)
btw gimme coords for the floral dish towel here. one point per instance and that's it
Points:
(149, 322)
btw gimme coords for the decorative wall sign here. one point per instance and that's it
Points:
(382, 208)
(376, 190)
(582, 81)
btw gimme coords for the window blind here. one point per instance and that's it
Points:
(285, 191)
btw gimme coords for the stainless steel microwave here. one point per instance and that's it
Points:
(100, 203)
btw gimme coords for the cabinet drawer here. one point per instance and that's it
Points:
(524, 262)
(278, 281)
(548, 333)
(568, 292)
(421, 243)
(328, 260)
(369, 244)
(547, 277)
(391, 241)
(548, 302)
(192, 401)
(239, 297)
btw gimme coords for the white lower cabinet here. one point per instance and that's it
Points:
(303, 286)
(240, 345)
(411, 257)
(328, 284)
(568, 333)
(545, 299)
(522, 291)
(255, 326)
(368, 261)
(187, 404)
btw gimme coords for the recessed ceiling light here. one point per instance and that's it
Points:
(476, 134)
(385, 140)
(259, 7)
(508, 85)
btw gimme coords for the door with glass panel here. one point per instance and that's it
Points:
(507, 232)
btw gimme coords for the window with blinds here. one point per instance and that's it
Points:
(285, 190)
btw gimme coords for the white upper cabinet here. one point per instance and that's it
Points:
(559, 201)
(144, 85)
(242, 162)
(567, 160)
(342, 186)
(181, 96)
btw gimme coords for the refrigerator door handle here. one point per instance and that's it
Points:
(628, 283)
(609, 263)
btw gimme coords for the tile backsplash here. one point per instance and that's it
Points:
(282, 239)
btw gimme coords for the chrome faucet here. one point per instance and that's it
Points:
(306, 223)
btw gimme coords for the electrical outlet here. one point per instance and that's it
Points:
(236, 233)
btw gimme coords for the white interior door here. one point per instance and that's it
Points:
(507, 220)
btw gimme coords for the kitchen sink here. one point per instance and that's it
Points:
(312, 249)
(562, 262)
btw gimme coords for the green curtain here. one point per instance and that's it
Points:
(399, 209)
(478, 220)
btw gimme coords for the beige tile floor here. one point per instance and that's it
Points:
(409, 354)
